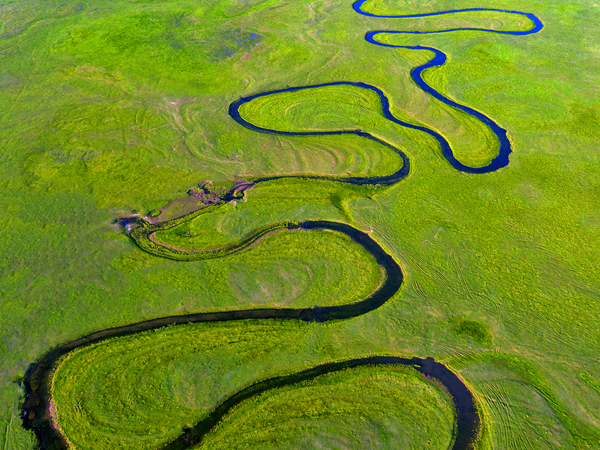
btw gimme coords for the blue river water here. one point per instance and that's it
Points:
(439, 59)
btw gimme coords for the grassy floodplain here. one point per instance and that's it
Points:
(372, 407)
(137, 390)
(119, 107)
(310, 268)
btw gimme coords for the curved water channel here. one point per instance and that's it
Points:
(36, 412)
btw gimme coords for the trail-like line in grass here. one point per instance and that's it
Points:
(37, 412)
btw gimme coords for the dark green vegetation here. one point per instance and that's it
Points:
(477, 330)
(121, 107)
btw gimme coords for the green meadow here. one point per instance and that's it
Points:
(122, 385)
(330, 412)
(112, 108)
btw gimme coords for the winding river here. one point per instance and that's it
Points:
(36, 413)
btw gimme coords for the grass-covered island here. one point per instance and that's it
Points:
(299, 224)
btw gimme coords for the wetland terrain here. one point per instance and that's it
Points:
(392, 250)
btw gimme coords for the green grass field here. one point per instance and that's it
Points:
(373, 407)
(113, 108)
(137, 393)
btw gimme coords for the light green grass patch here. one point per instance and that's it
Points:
(381, 407)
(141, 391)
